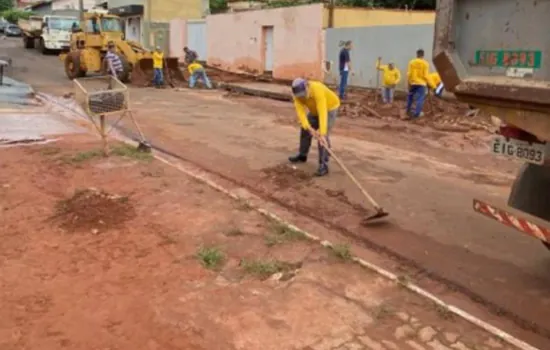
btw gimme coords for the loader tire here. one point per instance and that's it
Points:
(125, 75)
(72, 66)
(28, 42)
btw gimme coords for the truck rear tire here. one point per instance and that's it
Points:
(42, 47)
(28, 42)
(72, 66)
(529, 189)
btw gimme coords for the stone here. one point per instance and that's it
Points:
(451, 337)
(426, 334)
(436, 345)
(390, 345)
(492, 343)
(404, 331)
(370, 343)
(403, 316)
(414, 345)
(460, 346)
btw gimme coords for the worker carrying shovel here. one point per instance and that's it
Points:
(317, 108)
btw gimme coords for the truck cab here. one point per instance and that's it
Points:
(493, 55)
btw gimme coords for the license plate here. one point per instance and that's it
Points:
(532, 153)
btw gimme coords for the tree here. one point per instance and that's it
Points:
(217, 6)
(13, 15)
(6, 5)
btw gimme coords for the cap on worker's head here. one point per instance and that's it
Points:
(299, 87)
(158, 47)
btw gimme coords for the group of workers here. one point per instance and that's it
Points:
(419, 79)
(195, 69)
(317, 105)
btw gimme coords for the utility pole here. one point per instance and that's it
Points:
(331, 5)
(81, 11)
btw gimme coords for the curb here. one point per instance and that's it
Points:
(505, 337)
(255, 92)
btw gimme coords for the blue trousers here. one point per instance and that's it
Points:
(417, 94)
(199, 74)
(158, 77)
(343, 83)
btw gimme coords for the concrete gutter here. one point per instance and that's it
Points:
(15, 92)
(256, 92)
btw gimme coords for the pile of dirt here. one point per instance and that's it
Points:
(93, 210)
(286, 176)
(440, 114)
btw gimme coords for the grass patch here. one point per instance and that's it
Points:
(81, 157)
(50, 151)
(128, 151)
(210, 257)
(234, 232)
(382, 311)
(263, 269)
(443, 312)
(342, 251)
(281, 234)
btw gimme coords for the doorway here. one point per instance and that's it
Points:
(133, 29)
(267, 34)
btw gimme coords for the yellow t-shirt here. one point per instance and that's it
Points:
(434, 80)
(158, 59)
(319, 101)
(417, 73)
(390, 77)
(193, 67)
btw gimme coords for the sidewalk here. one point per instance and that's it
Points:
(176, 264)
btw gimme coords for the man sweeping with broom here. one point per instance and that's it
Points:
(317, 108)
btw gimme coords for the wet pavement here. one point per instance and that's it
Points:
(14, 92)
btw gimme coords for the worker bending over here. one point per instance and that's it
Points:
(417, 77)
(112, 63)
(317, 108)
(391, 76)
(435, 83)
(196, 71)
(158, 66)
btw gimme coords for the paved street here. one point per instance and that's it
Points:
(427, 181)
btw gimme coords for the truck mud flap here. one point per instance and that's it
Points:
(524, 223)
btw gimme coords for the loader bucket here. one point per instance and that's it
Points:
(142, 74)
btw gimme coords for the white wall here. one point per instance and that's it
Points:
(71, 4)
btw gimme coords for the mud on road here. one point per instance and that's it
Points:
(128, 253)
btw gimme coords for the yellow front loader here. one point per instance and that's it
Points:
(88, 47)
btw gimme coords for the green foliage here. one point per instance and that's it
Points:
(13, 15)
(410, 4)
(6, 5)
(217, 6)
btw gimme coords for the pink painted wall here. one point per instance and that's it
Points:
(178, 38)
(235, 41)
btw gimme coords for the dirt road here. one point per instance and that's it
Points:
(426, 179)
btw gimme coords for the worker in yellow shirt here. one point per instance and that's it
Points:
(417, 77)
(435, 83)
(317, 108)
(158, 65)
(391, 76)
(197, 72)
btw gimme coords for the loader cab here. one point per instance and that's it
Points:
(97, 30)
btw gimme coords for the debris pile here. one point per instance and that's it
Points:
(93, 210)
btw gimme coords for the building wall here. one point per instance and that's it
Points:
(235, 41)
(178, 38)
(360, 17)
(71, 4)
(167, 10)
(399, 45)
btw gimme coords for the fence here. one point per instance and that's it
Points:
(395, 43)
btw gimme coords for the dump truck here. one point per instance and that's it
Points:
(492, 54)
(88, 47)
(47, 33)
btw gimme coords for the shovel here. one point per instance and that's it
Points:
(379, 211)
